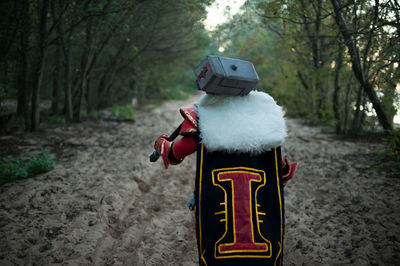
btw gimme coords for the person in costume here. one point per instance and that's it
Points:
(239, 178)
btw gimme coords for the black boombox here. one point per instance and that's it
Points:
(228, 76)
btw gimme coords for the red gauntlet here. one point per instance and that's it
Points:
(288, 170)
(159, 141)
(164, 148)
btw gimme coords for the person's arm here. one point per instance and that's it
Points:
(288, 170)
(174, 152)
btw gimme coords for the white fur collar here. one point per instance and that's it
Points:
(252, 123)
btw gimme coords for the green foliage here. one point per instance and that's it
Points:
(173, 94)
(272, 58)
(15, 123)
(151, 106)
(50, 117)
(40, 163)
(94, 115)
(296, 48)
(14, 169)
(117, 50)
(148, 49)
(389, 157)
(122, 111)
(161, 55)
(392, 142)
(56, 119)
(2, 96)
(83, 114)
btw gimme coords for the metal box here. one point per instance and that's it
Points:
(228, 76)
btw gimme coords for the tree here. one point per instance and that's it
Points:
(94, 53)
(39, 61)
(357, 65)
(315, 31)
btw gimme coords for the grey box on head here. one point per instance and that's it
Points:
(228, 76)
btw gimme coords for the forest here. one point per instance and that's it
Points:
(86, 55)
(334, 62)
(87, 86)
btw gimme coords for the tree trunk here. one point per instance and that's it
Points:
(56, 80)
(109, 75)
(38, 63)
(346, 107)
(315, 42)
(317, 48)
(64, 44)
(22, 67)
(357, 68)
(339, 63)
(21, 84)
(355, 125)
(392, 77)
(68, 83)
(90, 59)
(9, 13)
(303, 81)
(89, 97)
(85, 64)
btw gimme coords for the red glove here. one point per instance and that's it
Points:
(288, 170)
(164, 148)
(159, 141)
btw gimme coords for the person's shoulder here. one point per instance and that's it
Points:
(261, 96)
(189, 125)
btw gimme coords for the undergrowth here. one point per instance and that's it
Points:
(166, 94)
(173, 94)
(122, 111)
(56, 119)
(14, 169)
(389, 157)
(93, 115)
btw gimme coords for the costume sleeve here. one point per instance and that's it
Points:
(184, 147)
(174, 152)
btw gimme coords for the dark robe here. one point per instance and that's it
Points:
(240, 208)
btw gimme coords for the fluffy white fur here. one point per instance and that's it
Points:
(252, 123)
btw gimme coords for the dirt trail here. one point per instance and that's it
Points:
(105, 204)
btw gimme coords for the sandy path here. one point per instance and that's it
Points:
(105, 204)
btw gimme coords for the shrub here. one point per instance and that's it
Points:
(56, 119)
(94, 115)
(14, 169)
(392, 142)
(173, 94)
(2, 97)
(40, 163)
(151, 106)
(122, 111)
(389, 157)
(83, 114)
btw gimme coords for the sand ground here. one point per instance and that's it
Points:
(106, 204)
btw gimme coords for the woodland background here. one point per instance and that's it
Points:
(82, 85)
(333, 62)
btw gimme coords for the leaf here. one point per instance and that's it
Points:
(134, 48)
